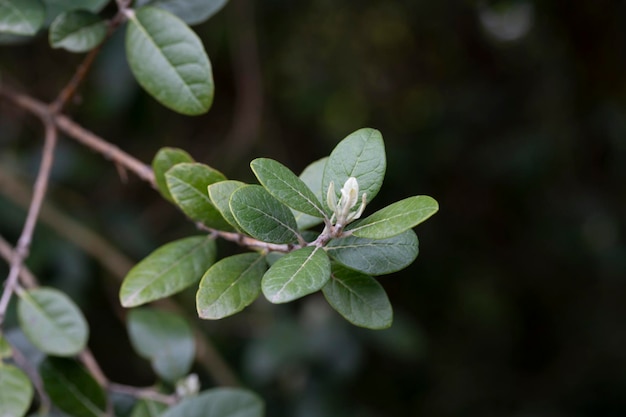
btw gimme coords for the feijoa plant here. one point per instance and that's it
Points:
(302, 233)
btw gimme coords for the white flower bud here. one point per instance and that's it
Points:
(343, 210)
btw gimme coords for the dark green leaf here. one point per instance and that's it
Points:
(188, 184)
(165, 159)
(71, 388)
(219, 402)
(191, 11)
(220, 194)
(262, 216)
(359, 298)
(147, 408)
(296, 274)
(77, 31)
(165, 339)
(21, 17)
(286, 186)
(230, 285)
(55, 7)
(5, 349)
(16, 391)
(395, 218)
(361, 155)
(375, 256)
(168, 270)
(312, 177)
(169, 61)
(52, 321)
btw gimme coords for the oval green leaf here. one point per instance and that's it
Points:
(375, 256)
(71, 388)
(165, 159)
(21, 17)
(219, 402)
(262, 216)
(52, 322)
(286, 186)
(296, 274)
(361, 155)
(187, 183)
(395, 218)
(169, 61)
(359, 298)
(77, 31)
(230, 285)
(165, 339)
(55, 7)
(220, 194)
(16, 391)
(168, 270)
(312, 177)
(147, 408)
(191, 11)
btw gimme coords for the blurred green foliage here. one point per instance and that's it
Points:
(512, 114)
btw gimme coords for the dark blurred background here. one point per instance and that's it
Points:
(512, 114)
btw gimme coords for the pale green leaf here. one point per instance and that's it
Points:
(312, 177)
(359, 298)
(52, 322)
(5, 349)
(77, 31)
(375, 256)
(169, 61)
(395, 218)
(165, 339)
(286, 186)
(21, 17)
(220, 194)
(168, 270)
(147, 408)
(296, 274)
(71, 388)
(191, 11)
(16, 391)
(187, 183)
(219, 402)
(165, 159)
(361, 155)
(230, 285)
(262, 216)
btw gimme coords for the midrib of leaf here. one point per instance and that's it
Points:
(295, 273)
(375, 311)
(265, 214)
(82, 29)
(19, 13)
(238, 279)
(84, 400)
(160, 276)
(147, 35)
(42, 312)
(194, 189)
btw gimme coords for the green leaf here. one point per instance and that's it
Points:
(165, 339)
(286, 186)
(52, 322)
(230, 285)
(188, 184)
(361, 155)
(220, 194)
(375, 256)
(71, 388)
(16, 391)
(147, 408)
(165, 159)
(296, 274)
(77, 31)
(56, 7)
(21, 17)
(169, 61)
(359, 298)
(395, 218)
(5, 349)
(312, 177)
(191, 11)
(262, 216)
(168, 270)
(219, 402)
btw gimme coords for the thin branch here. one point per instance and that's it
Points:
(34, 376)
(23, 245)
(27, 278)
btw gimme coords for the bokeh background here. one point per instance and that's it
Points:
(512, 114)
